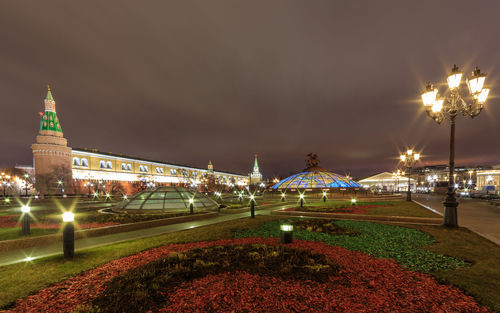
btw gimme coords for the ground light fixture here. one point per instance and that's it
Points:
(68, 234)
(286, 233)
(240, 196)
(25, 222)
(409, 159)
(324, 196)
(353, 201)
(191, 206)
(301, 197)
(448, 107)
(252, 206)
(283, 195)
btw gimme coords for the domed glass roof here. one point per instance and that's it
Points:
(316, 178)
(166, 199)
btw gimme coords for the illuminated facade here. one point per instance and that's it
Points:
(255, 176)
(92, 165)
(50, 152)
(489, 179)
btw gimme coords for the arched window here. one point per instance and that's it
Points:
(124, 167)
(184, 172)
(173, 171)
(84, 162)
(146, 169)
(108, 165)
(129, 167)
(76, 161)
(102, 164)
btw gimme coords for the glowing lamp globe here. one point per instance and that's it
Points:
(286, 227)
(25, 209)
(437, 106)
(68, 217)
(476, 82)
(481, 97)
(454, 78)
(429, 95)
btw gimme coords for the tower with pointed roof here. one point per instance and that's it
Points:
(51, 154)
(255, 176)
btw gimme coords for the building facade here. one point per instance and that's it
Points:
(59, 168)
(256, 175)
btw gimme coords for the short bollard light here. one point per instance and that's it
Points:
(286, 233)
(26, 219)
(301, 200)
(240, 196)
(324, 196)
(283, 197)
(191, 206)
(252, 206)
(353, 201)
(68, 234)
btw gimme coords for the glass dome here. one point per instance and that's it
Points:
(316, 179)
(166, 199)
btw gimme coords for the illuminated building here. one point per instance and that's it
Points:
(50, 153)
(255, 176)
(388, 182)
(315, 177)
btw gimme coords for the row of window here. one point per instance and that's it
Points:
(80, 162)
(83, 162)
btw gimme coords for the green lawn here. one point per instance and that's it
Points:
(479, 275)
(386, 208)
(7, 233)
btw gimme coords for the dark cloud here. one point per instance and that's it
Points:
(188, 81)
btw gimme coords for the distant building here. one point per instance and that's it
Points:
(489, 179)
(56, 165)
(255, 176)
(388, 182)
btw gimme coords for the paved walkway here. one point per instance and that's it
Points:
(23, 255)
(477, 215)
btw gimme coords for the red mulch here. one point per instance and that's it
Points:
(364, 284)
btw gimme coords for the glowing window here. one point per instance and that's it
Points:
(109, 165)
(124, 167)
(102, 164)
(84, 162)
(129, 167)
(76, 161)
(173, 172)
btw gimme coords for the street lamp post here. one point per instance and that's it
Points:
(409, 159)
(26, 176)
(449, 107)
(252, 206)
(26, 220)
(68, 234)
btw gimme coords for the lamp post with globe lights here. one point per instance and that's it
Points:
(409, 158)
(448, 107)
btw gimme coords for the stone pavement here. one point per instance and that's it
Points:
(477, 215)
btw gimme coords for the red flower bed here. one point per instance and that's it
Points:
(363, 284)
(13, 221)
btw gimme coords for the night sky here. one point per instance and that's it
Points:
(188, 81)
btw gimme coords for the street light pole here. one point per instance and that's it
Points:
(409, 159)
(440, 108)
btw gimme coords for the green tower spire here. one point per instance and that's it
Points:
(256, 164)
(49, 121)
(49, 94)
